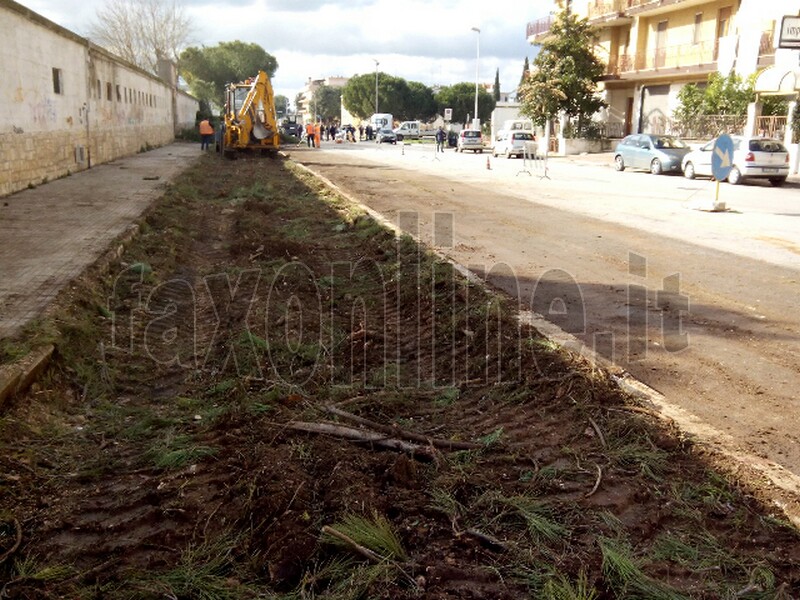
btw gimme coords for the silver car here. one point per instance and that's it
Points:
(651, 152)
(753, 158)
(470, 139)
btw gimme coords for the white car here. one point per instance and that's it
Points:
(753, 158)
(470, 139)
(512, 143)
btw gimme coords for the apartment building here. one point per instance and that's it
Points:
(652, 48)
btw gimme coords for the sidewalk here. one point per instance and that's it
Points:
(50, 234)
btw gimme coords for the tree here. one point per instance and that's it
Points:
(723, 95)
(358, 95)
(281, 105)
(526, 67)
(142, 31)
(212, 67)
(565, 74)
(420, 103)
(496, 93)
(461, 98)
(327, 102)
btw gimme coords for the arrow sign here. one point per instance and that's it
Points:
(721, 157)
(724, 157)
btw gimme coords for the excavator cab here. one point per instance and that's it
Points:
(250, 119)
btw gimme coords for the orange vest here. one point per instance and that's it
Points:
(309, 129)
(206, 128)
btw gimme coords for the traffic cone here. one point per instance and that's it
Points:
(488, 164)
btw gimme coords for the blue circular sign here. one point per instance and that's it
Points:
(722, 157)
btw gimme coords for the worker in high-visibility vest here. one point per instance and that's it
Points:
(310, 135)
(206, 134)
(318, 133)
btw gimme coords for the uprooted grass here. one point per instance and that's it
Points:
(154, 461)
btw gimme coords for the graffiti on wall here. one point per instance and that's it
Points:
(43, 112)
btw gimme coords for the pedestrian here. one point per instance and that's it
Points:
(369, 131)
(206, 134)
(318, 133)
(441, 136)
(310, 134)
(360, 132)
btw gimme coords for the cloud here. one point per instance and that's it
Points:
(424, 41)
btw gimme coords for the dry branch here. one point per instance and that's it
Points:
(599, 433)
(395, 431)
(359, 435)
(597, 482)
(17, 542)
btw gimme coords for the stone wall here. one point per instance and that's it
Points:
(68, 104)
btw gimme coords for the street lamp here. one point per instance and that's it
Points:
(477, 62)
(376, 85)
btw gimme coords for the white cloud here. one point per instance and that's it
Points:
(424, 41)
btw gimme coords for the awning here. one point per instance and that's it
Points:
(778, 81)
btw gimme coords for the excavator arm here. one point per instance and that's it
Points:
(250, 119)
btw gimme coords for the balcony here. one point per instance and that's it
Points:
(636, 7)
(671, 57)
(538, 28)
(600, 9)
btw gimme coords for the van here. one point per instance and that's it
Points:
(407, 129)
(381, 121)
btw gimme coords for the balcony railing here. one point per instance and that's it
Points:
(670, 57)
(539, 26)
(602, 8)
(774, 127)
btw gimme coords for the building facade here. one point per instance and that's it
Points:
(69, 104)
(652, 48)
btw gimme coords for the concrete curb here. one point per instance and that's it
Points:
(17, 377)
(784, 483)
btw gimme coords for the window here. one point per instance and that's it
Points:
(99, 90)
(119, 94)
(108, 91)
(698, 22)
(58, 84)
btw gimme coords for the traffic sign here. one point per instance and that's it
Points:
(722, 157)
(448, 114)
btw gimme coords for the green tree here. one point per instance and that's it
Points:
(281, 105)
(526, 67)
(565, 74)
(358, 95)
(227, 62)
(461, 98)
(723, 95)
(327, 102)
(496, 94)
(420, 103)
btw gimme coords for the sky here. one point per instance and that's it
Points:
(427, 41)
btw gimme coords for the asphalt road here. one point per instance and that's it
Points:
(701, 306)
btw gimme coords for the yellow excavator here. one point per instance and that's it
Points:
(250, 122)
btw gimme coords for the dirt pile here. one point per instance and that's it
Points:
(272, 396)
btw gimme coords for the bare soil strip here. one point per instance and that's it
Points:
(272, 396)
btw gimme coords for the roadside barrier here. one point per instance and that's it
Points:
(532, 160)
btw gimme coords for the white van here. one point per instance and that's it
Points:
(380, 121)
(407, 129)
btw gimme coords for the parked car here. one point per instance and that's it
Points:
(512, 143)
(386, 136)
(655, 153)
(753, 158)
(470, 139)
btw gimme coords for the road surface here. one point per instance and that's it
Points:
(701, 306)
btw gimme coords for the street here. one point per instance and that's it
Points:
(699, 305)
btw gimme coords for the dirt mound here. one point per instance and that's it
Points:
(272, 396)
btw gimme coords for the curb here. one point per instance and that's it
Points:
(785, 484)
(18, 376)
